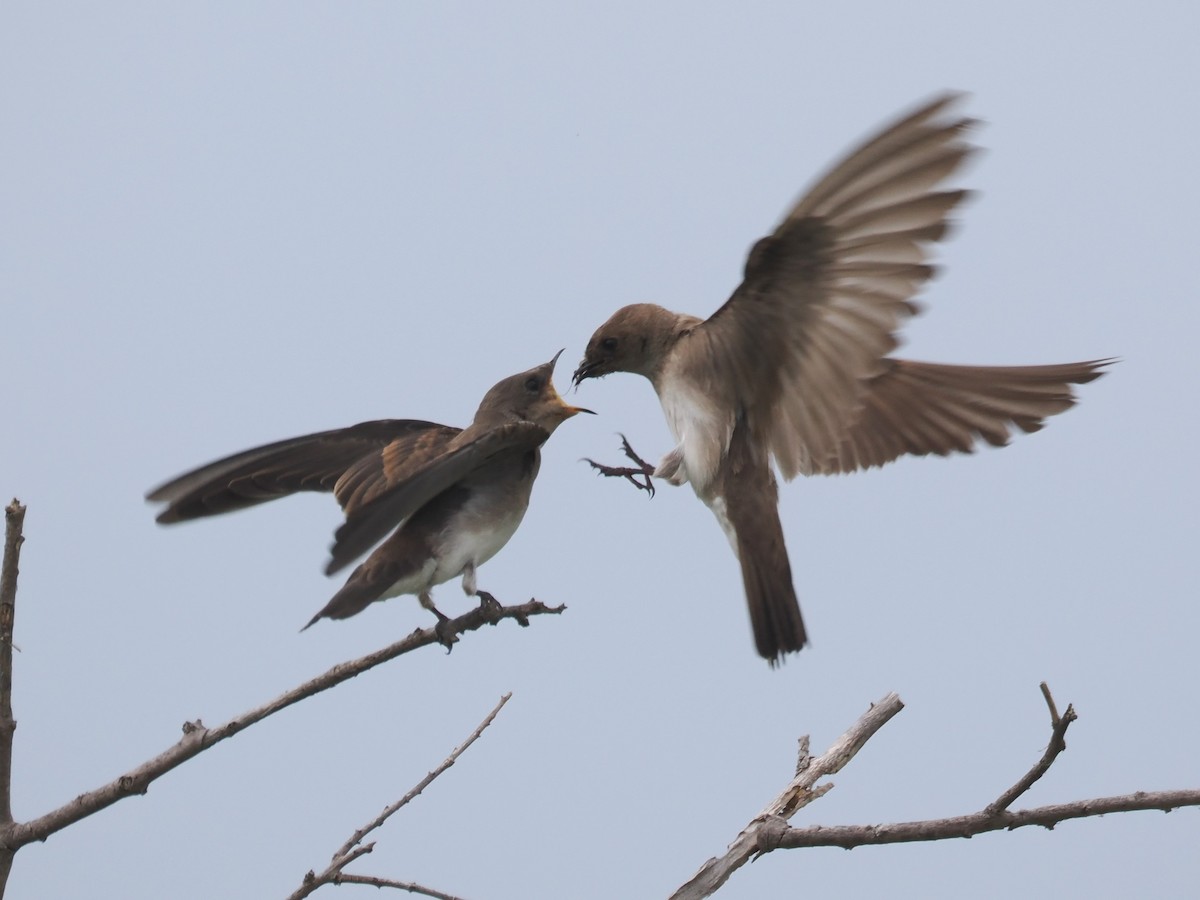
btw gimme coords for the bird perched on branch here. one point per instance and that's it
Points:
(451, 497)
(794, 367)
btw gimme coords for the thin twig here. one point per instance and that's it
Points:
(411, 886)
(762, 832)
(351, 850)
(1049, 698)
(197, 738)
(424, 782)
(1059, 726)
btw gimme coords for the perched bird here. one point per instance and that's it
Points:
(795, 367)
(451, 496)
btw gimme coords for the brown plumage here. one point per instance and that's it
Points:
(451, 497)
(794, 367)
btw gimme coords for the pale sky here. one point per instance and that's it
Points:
(223, 224)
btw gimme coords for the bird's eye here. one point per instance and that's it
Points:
(533, 384)
(608, 343)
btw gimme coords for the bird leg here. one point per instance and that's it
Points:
(445, 634)
(487, 602)
(642, 470)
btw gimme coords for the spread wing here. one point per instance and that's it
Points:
(798, 342)
(922, 408)
(357, 463)
(369, 522)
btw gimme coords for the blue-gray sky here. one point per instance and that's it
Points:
(227, 223)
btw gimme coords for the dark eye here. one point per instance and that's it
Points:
(608, 343)
(533, 384)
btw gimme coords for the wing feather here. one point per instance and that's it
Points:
(370, 522)
(313, 462)
(929, 408)
(799, 341)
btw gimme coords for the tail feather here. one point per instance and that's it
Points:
(747, 507)
(922, 408)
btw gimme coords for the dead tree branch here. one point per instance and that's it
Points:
(410, 886)
(849, 836)
(354, 848)
(197, 738)
(769, 830)
(756, 837)
(14, 523)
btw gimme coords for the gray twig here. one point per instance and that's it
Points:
(354, 848)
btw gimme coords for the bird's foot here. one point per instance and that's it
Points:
(490, 605)
(444, 630)
(639, 475)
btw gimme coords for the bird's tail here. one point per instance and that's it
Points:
(747, 507)
(921, 408)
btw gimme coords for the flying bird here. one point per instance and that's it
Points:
(451, 497)
(794, 367)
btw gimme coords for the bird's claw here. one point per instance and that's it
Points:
(490, 605)
(444, 631)
(638, 475)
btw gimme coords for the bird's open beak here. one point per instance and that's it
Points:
(568, 410)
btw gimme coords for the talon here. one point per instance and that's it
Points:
(444, 631)
(629, 451)
(639, 476)
(629, 474)
(490, 605)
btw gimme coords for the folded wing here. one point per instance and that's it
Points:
(314, 462)
(371, 521)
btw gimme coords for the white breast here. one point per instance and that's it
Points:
(475, 536)
(701, 430)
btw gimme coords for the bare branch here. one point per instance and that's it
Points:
(197, 738)
(769, 830)
(14, 522)
(426, 781)
(349, 852)
(764, 829)
(1059, 726)
(848, 836)
(411, 886)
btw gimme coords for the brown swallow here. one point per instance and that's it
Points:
(450, 497)
(795, 367)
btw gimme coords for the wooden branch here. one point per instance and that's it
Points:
(769, 830)
(849, 836)
(411, 886)
(1058, 725)
(14, 522)
(760, 835)
(197, 738)
(354, 848)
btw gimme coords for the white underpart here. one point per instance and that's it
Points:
(417, 583)
(701, 435)
(470, 539)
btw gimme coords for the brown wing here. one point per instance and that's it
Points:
(314, 462)
(369, 522)
(822, 297)
(922, 408)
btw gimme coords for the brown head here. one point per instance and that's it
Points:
(527, 397)
(636, 339)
